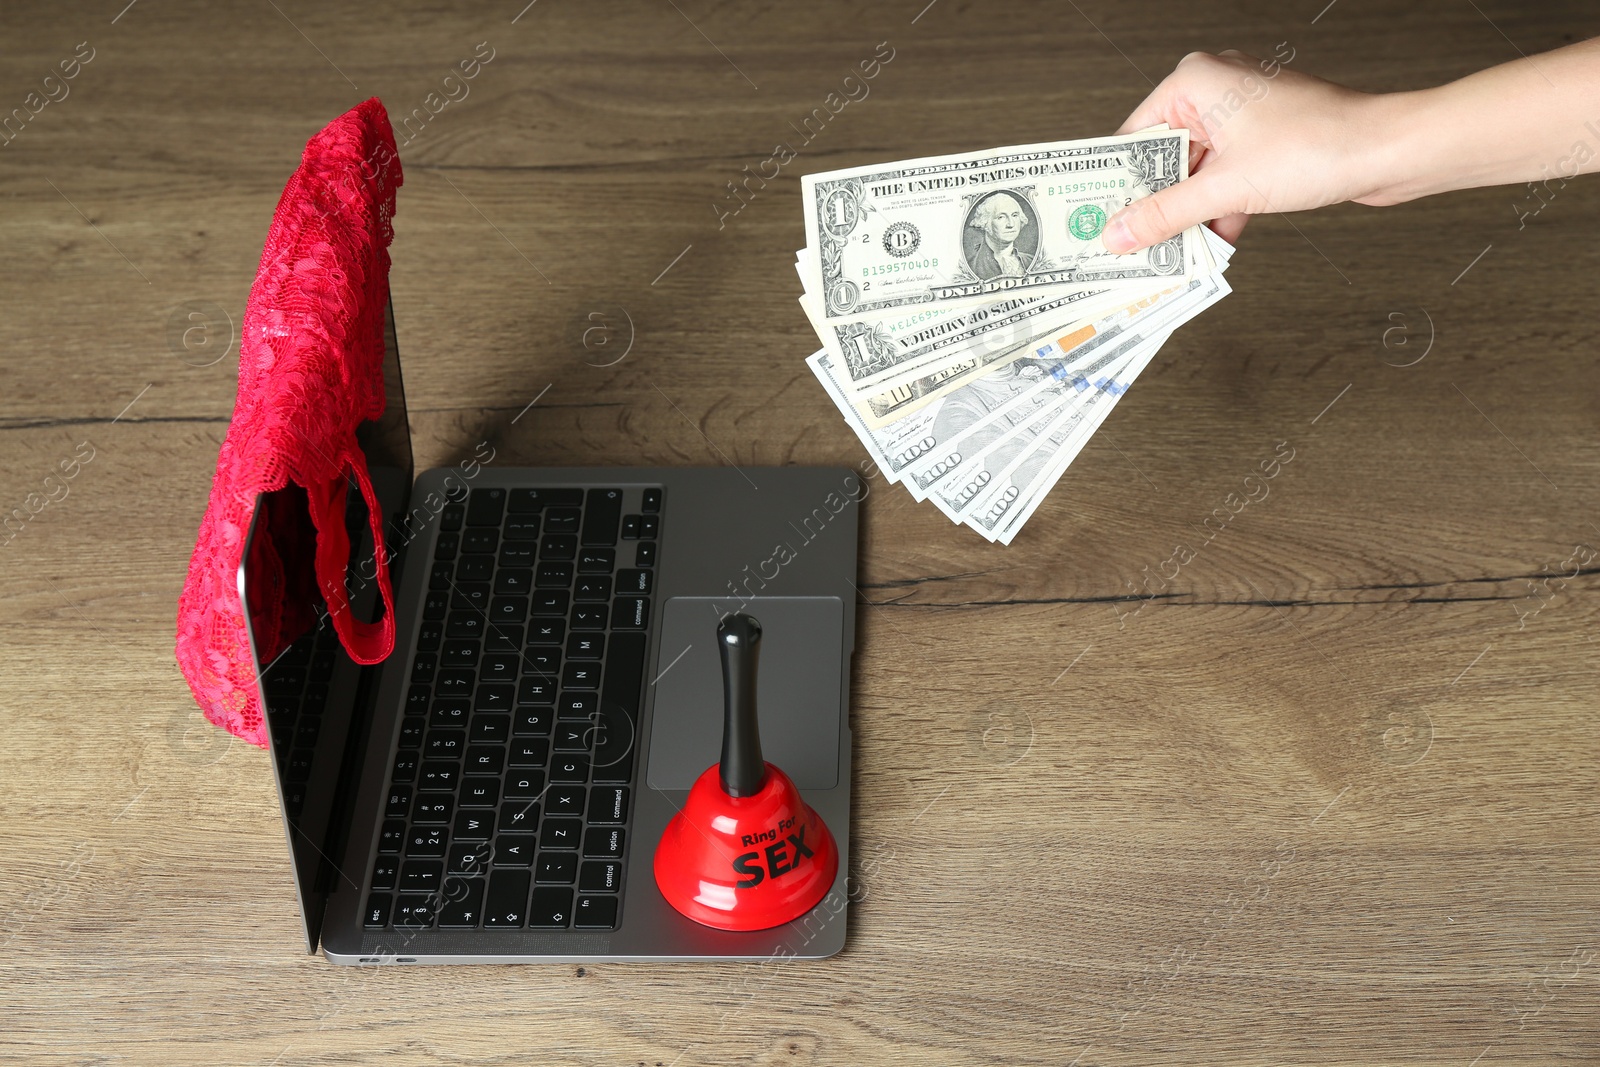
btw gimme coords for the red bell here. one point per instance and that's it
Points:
(746, 852)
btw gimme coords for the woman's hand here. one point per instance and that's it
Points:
(1259, 142)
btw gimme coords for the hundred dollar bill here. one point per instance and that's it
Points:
(1021, 483)
(948, 231)
(999, 443)
(1064, 363)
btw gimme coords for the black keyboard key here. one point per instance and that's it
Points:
(485, 759)
(473, 825)
(524, 785)
(427, 841)
(553, 576)
(412, 727)
(522, 527)
(586, 646)
(570, 769)
(496, 696)
(490, 728)
(529, 752)
(506, 902)
(447, 547)
(376, 916)
(421, 876)
(471, 857)
(423, 666)
(432, 807)
(384, 873)
(513, 850)
(558, 546)
(449, 711)
(393, 836)
(592, 587)
(562, 520)
(550, 907)
(589, 617)
(480, 542)
(618, 715)
(574, 735)
(633, 582)
(475, 568)
(541, 660)
(499, 667)
(436, 604)
(608, 804)
(439, 775)
(429, 634)
(517, 581)
(600, 876)
(644, 554)
(503, 637)
(515, 554)
(413, 913)
(455, 683)
(536, 690)
(445, 744)
(486, 507)
(441, 575)
(652, 502)
(631, 613)
(531, 722)
(518, 816)
(405, 767)
(526, 500)
(565, 800)
(579, 706)
(463, 904)
(649, 527)
(464, 625)
(452, 517)
(550, 602)
(461, 655)
(508, 609)
(580, 674)
(398, 803)
(547, 631)
(558, 833)
(594, 913)
(603, 842)
(558, 867)
(480, 793)
(597, 561)
(630, 527)
(417, 699)
(470, 596)
(602, 511)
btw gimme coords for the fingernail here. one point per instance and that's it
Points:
(1116, 236)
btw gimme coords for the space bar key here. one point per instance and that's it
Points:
(619, 708)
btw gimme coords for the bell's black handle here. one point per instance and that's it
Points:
(744, 772)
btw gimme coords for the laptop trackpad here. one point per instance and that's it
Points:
(797, 688)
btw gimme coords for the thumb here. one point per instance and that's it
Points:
(1161, 215)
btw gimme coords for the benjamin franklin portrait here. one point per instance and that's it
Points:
(1002, 236)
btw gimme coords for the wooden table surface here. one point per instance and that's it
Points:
(1324, 793)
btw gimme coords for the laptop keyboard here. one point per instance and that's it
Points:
(509, 798)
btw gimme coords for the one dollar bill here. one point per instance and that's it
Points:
(948, 231)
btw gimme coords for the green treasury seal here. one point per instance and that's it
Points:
(1086, 222)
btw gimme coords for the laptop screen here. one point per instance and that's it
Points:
(316, 699)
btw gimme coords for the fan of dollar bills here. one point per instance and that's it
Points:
(975, 331)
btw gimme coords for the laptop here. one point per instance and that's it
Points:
(493, 791)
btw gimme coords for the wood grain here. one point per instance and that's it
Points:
(1324, 795)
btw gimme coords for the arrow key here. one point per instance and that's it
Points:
(552, 907)
(463, 903)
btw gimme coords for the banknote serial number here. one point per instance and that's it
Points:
(898, 267)
(1087, 187)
